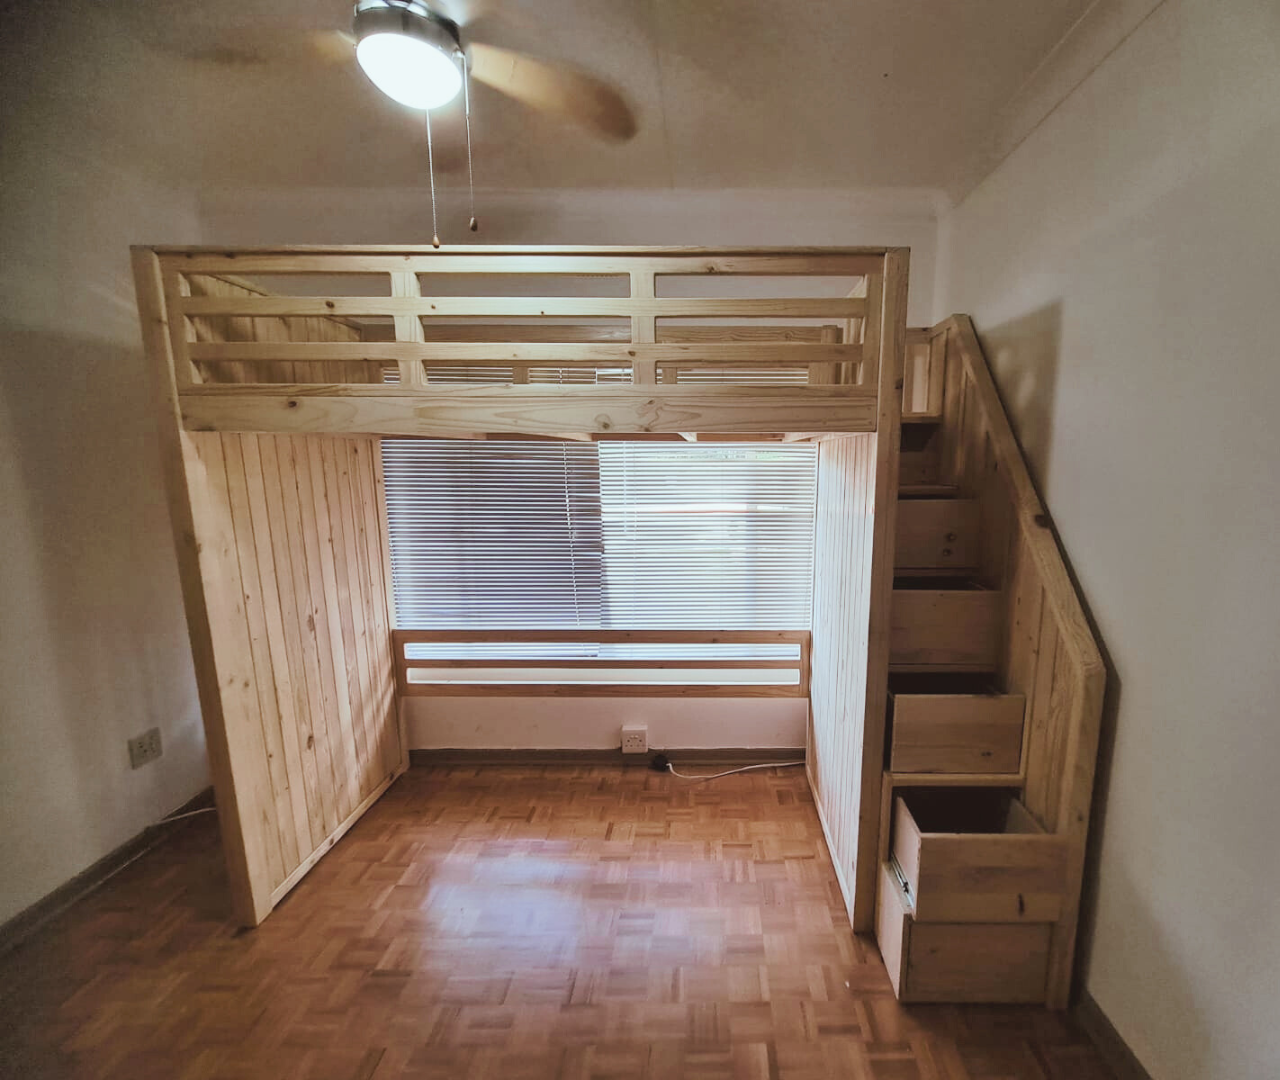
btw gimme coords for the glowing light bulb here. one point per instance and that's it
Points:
(409, 70)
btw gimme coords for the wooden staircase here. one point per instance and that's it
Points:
(995, 689)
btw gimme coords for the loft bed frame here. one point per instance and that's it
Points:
(278, 371)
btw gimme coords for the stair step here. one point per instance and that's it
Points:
(936, 534)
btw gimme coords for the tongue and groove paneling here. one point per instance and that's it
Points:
(291, 557)
(841, 626)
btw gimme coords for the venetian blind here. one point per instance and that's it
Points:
(613, 535)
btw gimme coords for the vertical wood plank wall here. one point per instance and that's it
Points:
(291, 555)
(841, 623)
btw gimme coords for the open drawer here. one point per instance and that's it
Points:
(976, 855)
(988, 962)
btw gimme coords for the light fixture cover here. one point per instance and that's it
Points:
(407, 53)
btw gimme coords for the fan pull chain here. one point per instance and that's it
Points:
(471, 174)
(431, 170)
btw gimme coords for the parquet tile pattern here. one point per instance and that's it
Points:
(513, 923)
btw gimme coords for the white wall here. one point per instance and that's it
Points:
(583, 723)
(93, 645)
(1122, 268)
(902, 217)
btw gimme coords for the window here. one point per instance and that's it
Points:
(489, 535)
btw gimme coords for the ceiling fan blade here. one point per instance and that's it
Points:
(333, 46)
(565, 91)
(248, 49)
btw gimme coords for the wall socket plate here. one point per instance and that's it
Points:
(144, 748)
(635, 739)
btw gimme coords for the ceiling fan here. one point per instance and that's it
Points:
(411, 49)
(418, 56)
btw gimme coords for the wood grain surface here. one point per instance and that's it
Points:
(513, 922)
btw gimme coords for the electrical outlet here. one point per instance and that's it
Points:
(635, 739)
(144, 748)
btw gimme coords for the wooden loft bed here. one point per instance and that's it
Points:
(278, 372)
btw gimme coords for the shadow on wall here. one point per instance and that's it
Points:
(1174, 995)
(1023, 355)
(1142, 935)
(1028, 395)
(97, 647)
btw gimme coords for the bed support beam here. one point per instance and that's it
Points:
(451, 412)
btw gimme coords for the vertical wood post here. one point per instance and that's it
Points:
(249, 903)
(825, 374)
(409, 327)
(887, 326)
(643, 328)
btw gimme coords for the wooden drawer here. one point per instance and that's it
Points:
(976, 856)
(957, 733)
(958, 962)
(936, 534)
(945, 629)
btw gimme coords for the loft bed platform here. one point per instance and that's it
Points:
(528, 341)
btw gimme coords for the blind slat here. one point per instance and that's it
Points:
(617, 535)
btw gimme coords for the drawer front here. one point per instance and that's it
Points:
(892, 925)
(957, 733)
(936, 534)
(976, 962)
(945, 629)
(1015, 877)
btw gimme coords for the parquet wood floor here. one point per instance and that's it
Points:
(511, 923)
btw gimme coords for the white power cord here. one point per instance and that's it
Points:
(189, 813)
(729, 772)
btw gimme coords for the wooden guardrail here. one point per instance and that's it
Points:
(402, 341)
(643, 663)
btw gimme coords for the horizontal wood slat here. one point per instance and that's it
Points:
(404, 664)
(639, 665)
(762, 354)
(497, 260)
(610, 637)
(538, 410)
(500, 306)
(588, 333)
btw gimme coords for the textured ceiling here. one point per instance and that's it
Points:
(746, 94)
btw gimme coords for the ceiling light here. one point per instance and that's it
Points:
(408, 52)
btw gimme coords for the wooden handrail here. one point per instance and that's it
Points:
(1027, 505)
